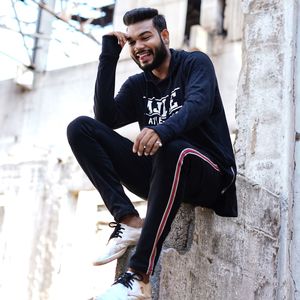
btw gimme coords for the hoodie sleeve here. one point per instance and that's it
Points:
(200, 86)
(113, 111)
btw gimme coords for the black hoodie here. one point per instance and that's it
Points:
(186, 105)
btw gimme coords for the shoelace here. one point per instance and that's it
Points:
(117, 231)
(127, 279)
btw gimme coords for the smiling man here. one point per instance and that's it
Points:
(182, 153)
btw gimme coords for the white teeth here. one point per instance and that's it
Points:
(142, 53)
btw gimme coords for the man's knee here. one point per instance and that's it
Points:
(169, 154)
(75, 128)
(172, 149)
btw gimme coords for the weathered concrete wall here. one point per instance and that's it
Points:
(266, 113)
(295, 248)
(35, 197)
(35, 187)
(219, 34)
(39, 184)
(210, 257)
(228, 258)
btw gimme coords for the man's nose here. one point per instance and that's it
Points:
(139, 45)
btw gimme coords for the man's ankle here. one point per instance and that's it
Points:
(132, 221)
(145, 277)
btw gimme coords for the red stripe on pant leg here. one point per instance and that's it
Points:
(161, 227)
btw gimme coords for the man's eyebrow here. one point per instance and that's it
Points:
(145, 32)
(141, 34)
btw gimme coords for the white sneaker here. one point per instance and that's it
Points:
(122, 237)
(129, 286)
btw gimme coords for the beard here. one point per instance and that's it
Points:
(159, 55)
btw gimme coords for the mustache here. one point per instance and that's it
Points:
(143, 51)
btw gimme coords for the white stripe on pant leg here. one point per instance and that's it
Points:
(162, 224)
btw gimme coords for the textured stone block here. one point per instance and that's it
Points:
(228, 258)
(209, 257)
(263, 29)
(254, 6)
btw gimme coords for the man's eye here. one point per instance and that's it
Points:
(146, 38)
(131, 43)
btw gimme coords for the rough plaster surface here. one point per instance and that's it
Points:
(29, 237)
(229, 258)
(265, 116)
(263, 107)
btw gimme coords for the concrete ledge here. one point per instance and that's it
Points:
(209, 257)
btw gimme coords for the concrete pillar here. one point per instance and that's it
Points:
(233, 20)
(29, 238)
(266, 115)
(41, 46)
(37, 177)
(211, 16)
(295, 247)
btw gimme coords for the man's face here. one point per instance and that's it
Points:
(147, 47)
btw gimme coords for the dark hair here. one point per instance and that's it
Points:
(140, 14)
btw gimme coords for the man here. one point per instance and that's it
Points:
(182, 153)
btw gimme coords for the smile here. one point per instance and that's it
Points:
(143, 55)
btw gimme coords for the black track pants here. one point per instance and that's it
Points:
(177, 172)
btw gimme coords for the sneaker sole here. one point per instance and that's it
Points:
(111, 258)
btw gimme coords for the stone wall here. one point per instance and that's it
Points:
(266, 114)
(209, 257)
(228, 258)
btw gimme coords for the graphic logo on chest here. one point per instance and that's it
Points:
(159, 110)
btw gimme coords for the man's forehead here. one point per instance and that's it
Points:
(139, 28)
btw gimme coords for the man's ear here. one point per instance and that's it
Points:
(165, 36)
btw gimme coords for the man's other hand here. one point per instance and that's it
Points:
(147, 142)
(121, 36)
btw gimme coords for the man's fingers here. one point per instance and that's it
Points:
(122, 40)
(136, 144)
(155, 147)
(151, 146)
(147, 142)
(144, 144)
(121, 37)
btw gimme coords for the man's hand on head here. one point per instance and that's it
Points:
(121, 36)
(147, 142)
